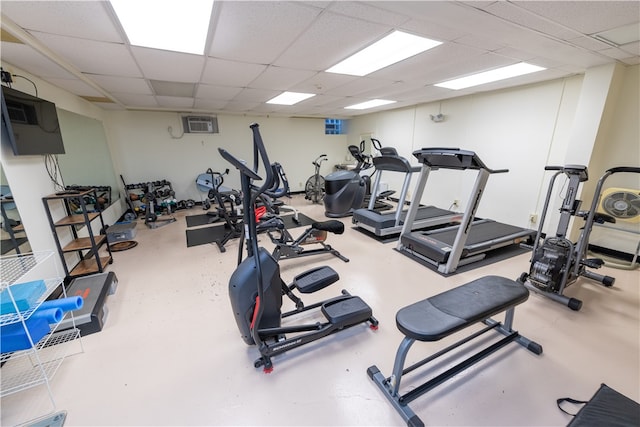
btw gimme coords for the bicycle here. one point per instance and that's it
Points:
(314, 188)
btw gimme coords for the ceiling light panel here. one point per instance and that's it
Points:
(165, 24)
(369, 104)
(491, 76)
(290, 98)
(395, 47)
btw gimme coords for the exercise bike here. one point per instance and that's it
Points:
(256, 288)
(286, 247)
(314, 189)
(557, 262)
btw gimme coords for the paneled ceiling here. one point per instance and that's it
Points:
(257, 49)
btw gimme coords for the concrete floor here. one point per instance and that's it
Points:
(170, 352)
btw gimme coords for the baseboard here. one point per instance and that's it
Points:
(623, 256)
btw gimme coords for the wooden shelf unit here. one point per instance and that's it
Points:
(93, 252)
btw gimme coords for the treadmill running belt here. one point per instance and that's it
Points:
(482, 232)
(484, 235)
(387, 220)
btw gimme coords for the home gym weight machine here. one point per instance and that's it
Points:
(557, 262)
(256, 288)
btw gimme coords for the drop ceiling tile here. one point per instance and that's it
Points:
(240, 33)
(358, 86)
(368, 12)
(513, 12)
(280, 78)
(587, 17)
(230, 73)
(323, 82)
(255, 95)
(419, 67)
(209, 104)
(329, 40)
(76, 86)
(24, 57)
(136, 101)
(241, 106)
(174, 102)
(90, 56)
(168, 66)
(85, 19)
(218, 93)
(122, 84)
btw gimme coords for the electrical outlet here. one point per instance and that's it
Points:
(533, 218)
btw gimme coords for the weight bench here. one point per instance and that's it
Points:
(439, 316)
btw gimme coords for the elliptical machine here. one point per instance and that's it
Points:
(557, 262)
(345, 190)
(256, 288)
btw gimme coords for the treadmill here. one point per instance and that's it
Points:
(385, 223)
(450, 247)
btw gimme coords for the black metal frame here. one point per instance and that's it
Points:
(390, 386)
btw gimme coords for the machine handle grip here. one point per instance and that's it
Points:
(631, 169)
(498, 170)
(243, 168)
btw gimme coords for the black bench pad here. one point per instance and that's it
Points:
(441, 315)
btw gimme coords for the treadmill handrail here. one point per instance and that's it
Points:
(453, 158)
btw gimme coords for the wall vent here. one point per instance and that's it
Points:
(200, 124)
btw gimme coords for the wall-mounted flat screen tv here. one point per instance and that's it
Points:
(30, 124)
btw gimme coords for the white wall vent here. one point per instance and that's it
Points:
(200, 124)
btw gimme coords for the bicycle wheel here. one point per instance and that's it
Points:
(314, 189)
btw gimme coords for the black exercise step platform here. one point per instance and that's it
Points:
(442, 315)
(94, 289)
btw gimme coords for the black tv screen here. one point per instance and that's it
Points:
(30, 124)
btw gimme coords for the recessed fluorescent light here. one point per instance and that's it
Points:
(395, 47)
(290, 98)
(369, 104)
(164, 24)
(491, 76)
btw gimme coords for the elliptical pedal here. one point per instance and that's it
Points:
(315, 279)
(347, 311)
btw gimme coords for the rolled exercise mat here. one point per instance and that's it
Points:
(50, 315)
(14, 337)
(65, 304)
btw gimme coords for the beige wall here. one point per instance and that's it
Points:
(522, 129)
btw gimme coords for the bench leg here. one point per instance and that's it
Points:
(505, 328)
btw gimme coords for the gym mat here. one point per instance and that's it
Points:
(204, 219)
(7, 245)
(491, 257)
(204, 235)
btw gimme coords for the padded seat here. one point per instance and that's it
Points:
(441, 315)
